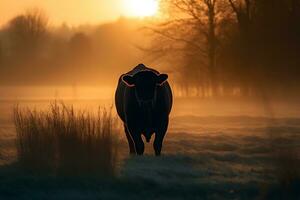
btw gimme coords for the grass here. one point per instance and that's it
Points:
(286, 172)
(65, 142)
(195, 166)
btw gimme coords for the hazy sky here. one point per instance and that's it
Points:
(70, 11)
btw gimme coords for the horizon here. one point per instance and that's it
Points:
(92, 12)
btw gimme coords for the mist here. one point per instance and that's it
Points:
(242, 50)
(32, 53)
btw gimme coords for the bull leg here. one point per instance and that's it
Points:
(137, 139)
(130, 142)
(159, 137)
(139, 144)
(157, 145)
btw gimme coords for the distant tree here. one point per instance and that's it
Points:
(80, 44)
(27, 33)
(1, 53)
(80, 51)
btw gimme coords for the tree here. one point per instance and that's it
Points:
(80, 44)
(244, 45)
(266, 43)
(80, 49)
(193, 32)
(27, 33)
(1, 53)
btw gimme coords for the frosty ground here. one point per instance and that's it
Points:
(204, 157)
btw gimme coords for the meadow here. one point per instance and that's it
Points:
(206, 155)
(233, 67)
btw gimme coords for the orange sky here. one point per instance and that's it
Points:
(71, 11)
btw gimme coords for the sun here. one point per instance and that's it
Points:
(140, 8)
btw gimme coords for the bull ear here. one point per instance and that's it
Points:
(161, 79)
(128, 80)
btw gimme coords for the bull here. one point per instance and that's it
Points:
(143, 100)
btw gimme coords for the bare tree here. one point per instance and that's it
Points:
(191, 31)
(27, 31)
(243, 11)
(1, 53)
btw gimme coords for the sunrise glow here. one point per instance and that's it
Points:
(140, 8)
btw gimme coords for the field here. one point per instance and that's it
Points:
(212, 151)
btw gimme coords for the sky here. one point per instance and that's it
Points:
(73, 12)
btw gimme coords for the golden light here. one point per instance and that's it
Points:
(140, 8)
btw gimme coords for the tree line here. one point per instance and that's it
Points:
(231, 47)
(212, 48)
(33, 52)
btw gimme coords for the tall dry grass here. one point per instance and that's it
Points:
(66, 142)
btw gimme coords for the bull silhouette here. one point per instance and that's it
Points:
(144, 101)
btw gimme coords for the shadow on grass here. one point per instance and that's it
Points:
(147, 177)
(18, 184)
(285, 160)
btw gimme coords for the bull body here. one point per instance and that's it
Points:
(143, 117)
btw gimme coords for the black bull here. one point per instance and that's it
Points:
(144, 100)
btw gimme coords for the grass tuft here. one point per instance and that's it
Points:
(66, 142)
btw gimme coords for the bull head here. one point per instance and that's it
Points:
(145, 83)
